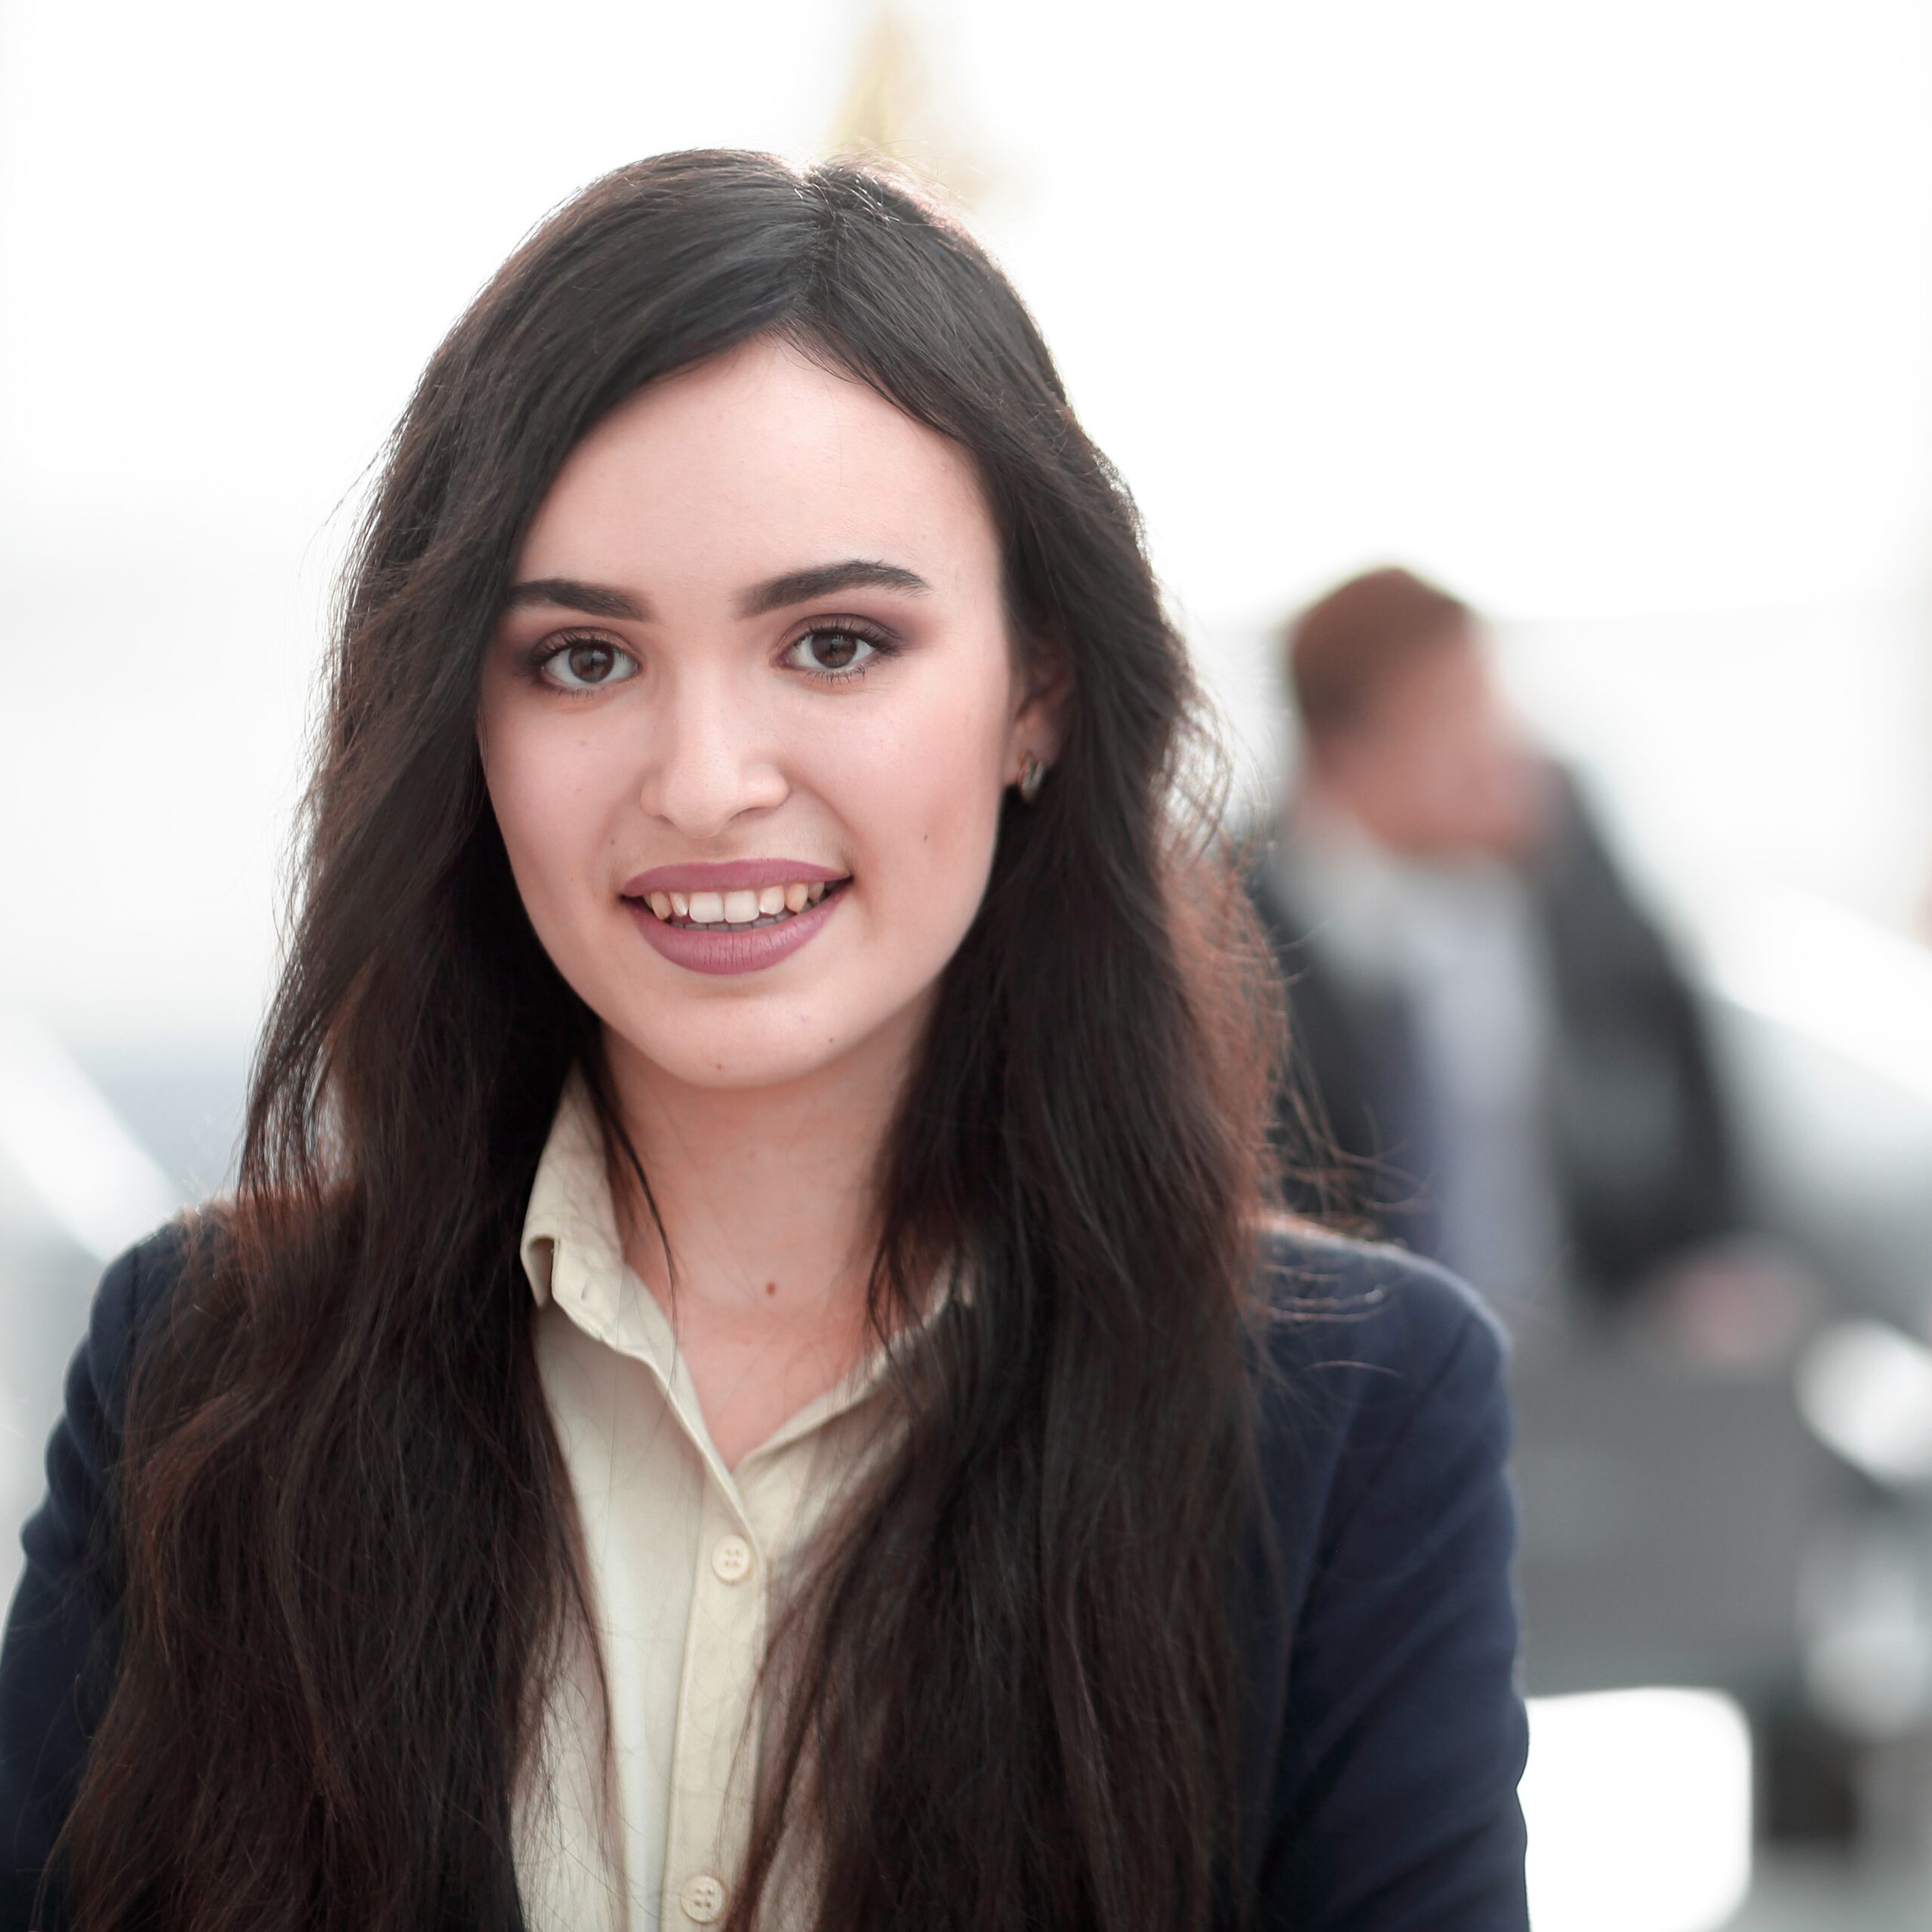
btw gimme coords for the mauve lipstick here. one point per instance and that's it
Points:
(727, 875)
(724, 948)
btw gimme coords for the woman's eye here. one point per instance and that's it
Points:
(588, 664)
(830, 651)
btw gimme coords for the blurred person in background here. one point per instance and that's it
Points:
(727, 1391)
(1484, 1018)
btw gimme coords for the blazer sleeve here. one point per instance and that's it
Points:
(57, 1661)
(1403, 1735)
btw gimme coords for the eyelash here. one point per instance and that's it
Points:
(541, 655)
(883, 643)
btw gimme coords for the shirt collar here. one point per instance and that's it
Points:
(571, 1250)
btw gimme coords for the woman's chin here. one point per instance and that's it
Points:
(708, 1047)
(741, 1055)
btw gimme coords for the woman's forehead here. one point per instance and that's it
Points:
(757, 462)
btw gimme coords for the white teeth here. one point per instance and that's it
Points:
(741, 908)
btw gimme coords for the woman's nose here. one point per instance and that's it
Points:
(711, 760)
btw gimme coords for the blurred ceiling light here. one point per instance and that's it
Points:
(1865, 1388)
(94, 1179)
(896, 108)
(1638, 1805)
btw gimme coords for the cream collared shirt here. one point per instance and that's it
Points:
(681, 1554)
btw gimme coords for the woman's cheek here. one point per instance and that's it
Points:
(551, 792)
(957, 827)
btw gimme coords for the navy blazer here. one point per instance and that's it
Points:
(1384, 1736)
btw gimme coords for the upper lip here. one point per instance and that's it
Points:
(727, 876)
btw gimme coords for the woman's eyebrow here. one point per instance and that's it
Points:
(824, 579)
(594, 600)
(801, 586)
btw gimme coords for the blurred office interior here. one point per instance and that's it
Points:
(1615, 318)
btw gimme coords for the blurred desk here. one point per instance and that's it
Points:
(1666, 1518)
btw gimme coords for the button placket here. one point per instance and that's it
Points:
(709, 1820)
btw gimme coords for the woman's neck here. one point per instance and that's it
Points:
(768, 1200)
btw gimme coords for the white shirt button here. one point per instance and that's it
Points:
(702, 1897)
(731, 1561)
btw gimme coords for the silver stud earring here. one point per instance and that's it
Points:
(1032, 776)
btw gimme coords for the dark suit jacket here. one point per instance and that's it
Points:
(1638, 1135)
(1384, 1735)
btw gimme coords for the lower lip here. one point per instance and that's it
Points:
(734, 949)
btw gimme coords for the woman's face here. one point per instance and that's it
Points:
(747, 718)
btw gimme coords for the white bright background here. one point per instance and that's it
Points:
(1614, 315)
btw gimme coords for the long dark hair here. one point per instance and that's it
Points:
(346, 1545)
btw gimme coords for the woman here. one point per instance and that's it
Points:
(747, 1380)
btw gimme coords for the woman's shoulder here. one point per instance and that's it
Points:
(1328, 1299)
(1367, 1318)
(1378, 1371)
(57, 1657)
(137, 1293)
(134, 1299)
(1381, 1659)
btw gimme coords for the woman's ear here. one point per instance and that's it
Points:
(1045, 688)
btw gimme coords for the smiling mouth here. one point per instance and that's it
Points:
(743, 910)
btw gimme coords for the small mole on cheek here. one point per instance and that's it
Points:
(771, 1287)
